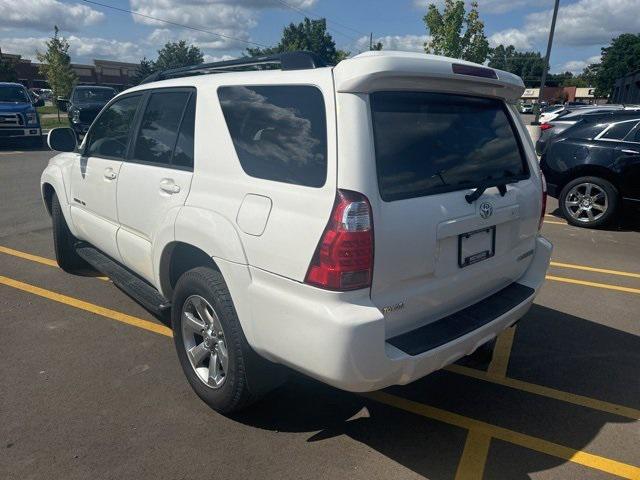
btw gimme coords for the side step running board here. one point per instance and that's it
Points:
(130, 283)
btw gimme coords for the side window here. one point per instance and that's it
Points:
(634, 136)
(159, 128)
(618, 130)
(183, 154)
(110, 133)
(279, 132)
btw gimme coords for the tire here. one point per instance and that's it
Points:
(233, 393)
(600, 197)
(64, 241)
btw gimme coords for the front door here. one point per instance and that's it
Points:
(94, 179)
(156, 178)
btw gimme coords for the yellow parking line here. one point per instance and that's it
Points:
(34, 258)
(502, 352)
(546, 222)
(548, 392)
(606, 286)
(594, 269)
(590, 460)
(89, 307)
(474, 456)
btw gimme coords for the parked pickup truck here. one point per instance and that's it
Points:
(19, 119)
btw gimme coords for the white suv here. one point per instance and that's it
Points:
(365, 224)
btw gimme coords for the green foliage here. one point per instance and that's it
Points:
(527, 65)
(143, 70)
(308, 35)
(7, 69)
(172, 55)
(377, 46)
(55, 65)
(456, 34)
(618, 59)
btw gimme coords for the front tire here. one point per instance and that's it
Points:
(589, 202)
(64, 241)
(211, 346)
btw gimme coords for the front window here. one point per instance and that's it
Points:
(13, 94)
(89, 95)
(430, 143)
(109, 135)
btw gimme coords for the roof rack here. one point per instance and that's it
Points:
(288, 61)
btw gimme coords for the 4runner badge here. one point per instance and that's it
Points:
(486, 210)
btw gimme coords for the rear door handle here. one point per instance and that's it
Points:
(109, 174)
(630, 152)
(169, 186)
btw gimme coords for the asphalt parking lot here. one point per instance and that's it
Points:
(91, 387)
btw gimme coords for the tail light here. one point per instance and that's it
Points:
(545, 126)
(344, 257)
(543, 208)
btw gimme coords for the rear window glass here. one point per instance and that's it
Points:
(618, 131)
(279, 132)
(429, 143)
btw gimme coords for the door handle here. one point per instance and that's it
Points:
(109, 174)
(169, 186)
(630, 152)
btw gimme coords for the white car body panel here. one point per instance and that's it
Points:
(262, 234)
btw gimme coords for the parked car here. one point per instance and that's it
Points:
(526, 108)
(593, 169)
(315, 217)
(557, 126)
(19, 120)
(85, 104)
(551, 113)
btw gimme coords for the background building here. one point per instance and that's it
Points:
(627, 89)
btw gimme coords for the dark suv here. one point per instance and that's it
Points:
(593, 168)
(85, 104)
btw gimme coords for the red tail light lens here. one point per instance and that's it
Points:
(545, 126)
(344, 257)
(543, 209)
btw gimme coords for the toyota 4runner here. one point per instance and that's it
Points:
(365, 223)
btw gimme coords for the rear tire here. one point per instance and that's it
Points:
(211, 346)
(64, 241)
(589, 202)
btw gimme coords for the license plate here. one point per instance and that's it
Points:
(473, 247)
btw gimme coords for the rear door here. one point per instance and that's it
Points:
(156, 177)
(94, 178)
(437, 250)
(628, 164)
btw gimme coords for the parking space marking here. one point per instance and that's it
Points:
(594, 269)
(489, 430)
(502, 352)
(546, 222)
(606, 286)
(89, 307)
(548, 392)
(580, 457)
(474, 456)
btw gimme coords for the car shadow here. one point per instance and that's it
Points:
(551, 348)
(627, 221)
(21, 146)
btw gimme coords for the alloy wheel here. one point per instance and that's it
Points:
(586, 202)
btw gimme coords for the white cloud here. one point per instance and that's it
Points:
(227, 17)
(512, 36)
(44, 14)
(488, 6)
(577, 66)
(582, 23)
(407, 43)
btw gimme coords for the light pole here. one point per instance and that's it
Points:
(546, 58)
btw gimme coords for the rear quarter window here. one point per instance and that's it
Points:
(430, 143)
(279, 132)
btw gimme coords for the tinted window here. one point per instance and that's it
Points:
(279, 132)
(13, 94)
(159, 128)
(109, 135)
(428, 143)
(183, 154)
(635, 137)
(618, 131)
(88, 95)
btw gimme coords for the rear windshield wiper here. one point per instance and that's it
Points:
(479, 190)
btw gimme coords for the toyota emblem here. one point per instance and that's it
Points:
(486, 210)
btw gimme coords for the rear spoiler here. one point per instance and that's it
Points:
(376, 71)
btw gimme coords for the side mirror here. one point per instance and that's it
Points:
(63, 104)
(62, 140)
(39, 102)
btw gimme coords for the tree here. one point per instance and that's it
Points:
(143, 70)
(309, 35)
(7, 69)
(176, 55)
(447, 36)
(618, 59)
(55, 65)
(527, 65)
(377, 46)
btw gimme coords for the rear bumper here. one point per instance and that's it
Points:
(339, 338)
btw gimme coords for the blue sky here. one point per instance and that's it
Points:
(584, 26)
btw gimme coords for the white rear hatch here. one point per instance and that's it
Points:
(429, 138)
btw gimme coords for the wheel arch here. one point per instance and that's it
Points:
(590, 170)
